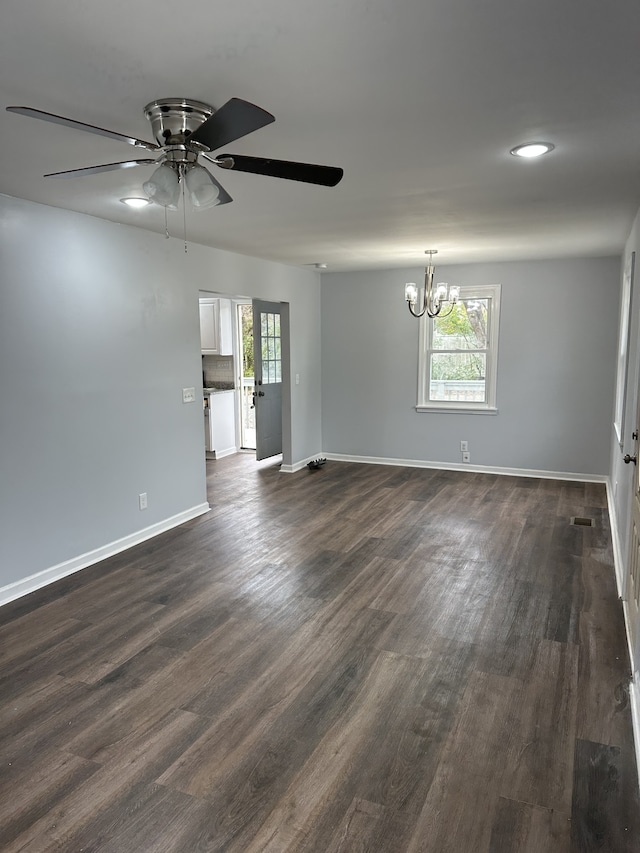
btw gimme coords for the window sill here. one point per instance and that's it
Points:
(458, 410)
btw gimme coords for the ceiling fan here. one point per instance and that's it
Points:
(186, 130)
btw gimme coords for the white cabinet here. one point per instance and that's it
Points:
(215, 327)
(221, 424)
(226, 322)
(210, 326)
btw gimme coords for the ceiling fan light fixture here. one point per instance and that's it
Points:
(135, 202)
(532, 149)
(203, 192)
(163, 187)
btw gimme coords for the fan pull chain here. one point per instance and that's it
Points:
(166, 225)
(184, 210)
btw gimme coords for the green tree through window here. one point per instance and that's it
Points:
(463, 330)
(247, 340)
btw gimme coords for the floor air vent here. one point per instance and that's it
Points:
(580, 521)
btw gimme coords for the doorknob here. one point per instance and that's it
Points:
(628, 459)
(260, 393)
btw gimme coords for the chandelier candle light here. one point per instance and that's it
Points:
(431, 302)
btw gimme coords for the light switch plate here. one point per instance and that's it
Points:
(188, 395)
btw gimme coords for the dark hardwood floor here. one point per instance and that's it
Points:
(358, 658)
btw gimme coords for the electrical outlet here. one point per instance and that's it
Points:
(464, 445)
(142, 500)
(466, 456)
(188, 395)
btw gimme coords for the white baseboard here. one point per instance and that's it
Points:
(447, 466)
(634, 696)
(618, 560)
(634, 686)
(482, 469)
(297, 466)
(61, 570)
(229, 451)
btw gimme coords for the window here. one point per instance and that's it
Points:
(271, 348)
(459, 354)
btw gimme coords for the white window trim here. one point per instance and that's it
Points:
(491, 292)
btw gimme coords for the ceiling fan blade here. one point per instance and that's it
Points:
(96, 170)
(326, 176)
(79, 125)
(233, 120)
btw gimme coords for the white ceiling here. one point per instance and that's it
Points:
(418, 100)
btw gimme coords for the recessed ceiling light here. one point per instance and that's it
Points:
(532, 149)
(136, 202)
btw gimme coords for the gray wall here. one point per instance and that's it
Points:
(556, 368)
(98, 335)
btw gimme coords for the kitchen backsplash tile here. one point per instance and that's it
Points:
(217, 368)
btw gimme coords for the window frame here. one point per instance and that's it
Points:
(492, 292)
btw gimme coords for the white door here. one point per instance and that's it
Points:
(632, 591)
(267, 362)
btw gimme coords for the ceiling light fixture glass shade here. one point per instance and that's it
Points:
(135, 202)
(432, 302)
(203, 192)
(532, 149)
(163, 187)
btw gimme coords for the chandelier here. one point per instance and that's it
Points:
(432, 301)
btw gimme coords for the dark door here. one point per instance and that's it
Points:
(267, 347)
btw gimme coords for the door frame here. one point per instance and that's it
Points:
(631, 601)
(627, 403)
(235, 297)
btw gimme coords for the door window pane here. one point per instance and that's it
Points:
(271, 348)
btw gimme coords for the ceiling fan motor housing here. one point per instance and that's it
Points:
(173, 120)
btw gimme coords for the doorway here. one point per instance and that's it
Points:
(266, 381)
(246, 377)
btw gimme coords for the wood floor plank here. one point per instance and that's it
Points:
(603, 679)
(21, 640)
(459, 810)
(357, 832)
(153, 819)
(289, 822)
(92, 705)
(125, 703)
(309, 676)
(539, 755)
(523, 828)
(41, 699)
(106, 795)
(28, 793)
(599, 820)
